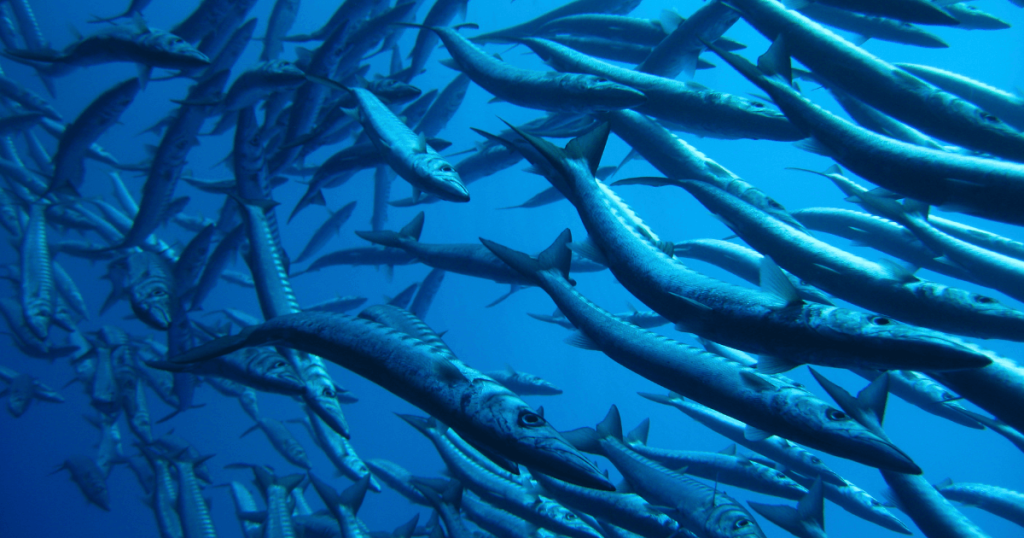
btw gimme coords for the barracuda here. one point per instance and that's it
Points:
(767, 405)
(476, 406)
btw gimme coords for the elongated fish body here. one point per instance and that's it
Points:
(1005, 105)
(89, 479)
(165, 498)
(266, 262)
(279, 515)
(218, 261)
(920, 390)
(283, 441)
(203, 20)
(676, 159)
(880, 234)
(389, 257)
(504, 493)
(882, 85)
(982, 238)
(721, 312)
(151, 289)
(880, 28)
(195, 514)
(169, 160)
(997, 388)
(866, 283)
(148, 47)
(524, 384)
(709, 379)
(694, 109)
(440, 14)
(259, 368)
(23, 337)
(959, 183)
(933, 514)
(626, 510)
(349, 10)
(282, 17)
(408, 154)
(1005, 503)
(727, 468)
(326, 230)
(396, 478)
(778, 449)
(576, 7)
(740, 261)
(261, 80)
(37, 287)
(28, 99)
(339, 450)
(444, 106)
(386, 357)
(245, 502)
(575, 93)
(991, 269)
(103, 112)
(697, 507)
(309, 97)
(678, 52)
(494, 520)
(632, 29)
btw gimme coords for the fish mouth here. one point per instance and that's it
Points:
(452, 192)
(568, 465)
(887, 456)
(161, 317)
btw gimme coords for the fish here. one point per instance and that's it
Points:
(737, 391)
(530, 440)
(1002, 502)
(574, 93)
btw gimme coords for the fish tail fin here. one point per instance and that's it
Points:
(422, 424)
(555, 257)
(353, 496)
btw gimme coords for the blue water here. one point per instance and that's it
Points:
(34, 503)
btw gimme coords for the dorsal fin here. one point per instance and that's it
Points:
(590, 146)
(812, 506)
(414, 228)
(640, 433)
(774, 281)
(775, 62)
(611, 426)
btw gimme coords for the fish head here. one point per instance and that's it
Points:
(393, 91)
(274, 369)
(884, 339)
(603, 94)
(442, 177)
(730, 520)
(283, 73)
(566, 521)
(151, 302)
(995, 313)
(175, 51)
(513, 429)
(841, 434)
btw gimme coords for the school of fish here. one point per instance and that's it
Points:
(345, 96)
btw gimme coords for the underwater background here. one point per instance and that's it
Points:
(35, 503)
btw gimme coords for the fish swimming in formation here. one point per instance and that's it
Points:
(337, 103)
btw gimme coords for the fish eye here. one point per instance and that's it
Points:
(875, 503)
(157, 293)
(741, 523)
(984, 300)
(989, 118)
(328, 392)
(570, 517)
(815, 460)
(599, 79)
(279, 364)
(447, 168)
(529, 419)
(835, 414)
(880, 321)
(755, 104)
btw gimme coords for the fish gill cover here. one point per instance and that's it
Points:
(244, 258)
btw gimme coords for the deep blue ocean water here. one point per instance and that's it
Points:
(35, 503)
